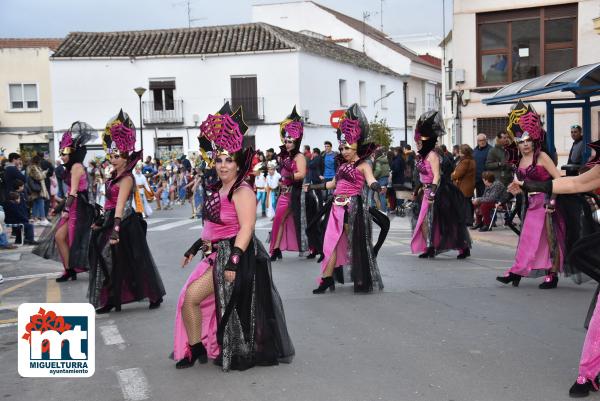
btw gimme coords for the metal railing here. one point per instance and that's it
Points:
(163, 113)
(253, 107)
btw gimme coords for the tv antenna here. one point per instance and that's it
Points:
(188, 6)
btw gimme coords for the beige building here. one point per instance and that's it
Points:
(25, 95)
(496, 42)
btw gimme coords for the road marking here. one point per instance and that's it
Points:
(3, 325)
(38, 275)
(198, 227)
(165, 227)
(17, 286)
(110, 334)
(6, 321)
(154, 221)
(134, 384)
(52, 291)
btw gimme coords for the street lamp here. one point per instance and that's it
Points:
(383, 97)
(140, 91)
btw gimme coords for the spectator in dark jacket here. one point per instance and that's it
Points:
(398, 165)
(496, 160)
(16, 214)
(12, 172)
(480, 155)
(494, 190)
(48, 168)
(315, 167)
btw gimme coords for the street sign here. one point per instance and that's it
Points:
(334, 119)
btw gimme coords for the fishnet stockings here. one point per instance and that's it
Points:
(196, 292)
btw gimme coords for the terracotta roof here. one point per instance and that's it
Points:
(15, 43)
(244, 38)
(431, 59)
(377, 35)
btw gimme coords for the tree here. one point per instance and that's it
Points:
(380, 133)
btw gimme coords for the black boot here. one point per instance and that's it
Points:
(550, 281)
(321, 257)
(464, 254)
(338, 272)
(326, 282)
(429, 253)
(582, 387)
(155, 305)
(107, 308)
(69, 274)
(276, 255)
(198, 352)
(312, 255)
(514, 278)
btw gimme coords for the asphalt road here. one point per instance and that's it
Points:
(441, 329)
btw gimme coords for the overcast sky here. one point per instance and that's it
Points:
(56, 18)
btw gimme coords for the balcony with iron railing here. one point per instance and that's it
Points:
(411, 110)
(163, 112)
(253, 107)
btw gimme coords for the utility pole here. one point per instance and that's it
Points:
(381, 14)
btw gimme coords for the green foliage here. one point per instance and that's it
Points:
(380, 133)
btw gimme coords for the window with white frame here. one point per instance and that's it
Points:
(343, 92)
(362, 93)
(383, 97)
(163, 94)
(23, 96)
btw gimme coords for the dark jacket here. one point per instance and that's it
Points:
(398, 170)
(15, 213)
(49, 169)
(495, 163)
(11, 174)
(480, 156)
(315, 169)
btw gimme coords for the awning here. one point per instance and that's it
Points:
(582, 82)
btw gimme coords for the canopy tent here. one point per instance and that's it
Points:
(583, 84)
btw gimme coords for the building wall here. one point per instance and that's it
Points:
(465, 57)
(27, 66)
(94, 90)
(319, 92)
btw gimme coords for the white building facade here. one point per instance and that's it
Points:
(269, 77)
(422, 74)
(494, 43)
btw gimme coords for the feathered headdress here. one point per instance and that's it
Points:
(119, 135)
(223, 133)
(353, 131)
(430, 127)
(119, 139)
(524, 122)
(73, 142)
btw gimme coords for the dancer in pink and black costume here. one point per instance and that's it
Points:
(541, 243)
(67, 240)
(122, 269)
(289, 224)
(229, 309)
(346, 218)
(582, 253)
(441, 223)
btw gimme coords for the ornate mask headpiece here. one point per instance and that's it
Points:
(119, 135)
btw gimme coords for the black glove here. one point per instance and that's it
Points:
(320, 186)
(194, 248)
(234, 259)
(69, 202)
(432, 192)
(375, 186)
(114, 235)
(538, 186)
